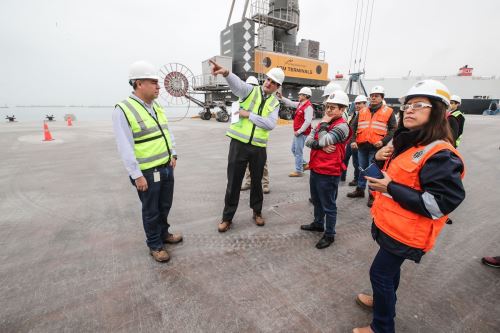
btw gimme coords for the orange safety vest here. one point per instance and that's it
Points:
(407, 227)
(373, 129)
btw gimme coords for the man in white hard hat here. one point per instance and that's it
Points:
(373, 128)
(359, 103)
(258, 116)
(301, 127)
(247, 182)
(327, 142)
(456, 119)
(147, 148)
(329, 89)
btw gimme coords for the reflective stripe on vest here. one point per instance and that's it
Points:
(144, 130)
(246, 131)
(152, 142)
(373, 128)
(403, 225)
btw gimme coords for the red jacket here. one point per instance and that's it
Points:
(329, 164)
(299, 118)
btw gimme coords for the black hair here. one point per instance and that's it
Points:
(133, 83)
(437, 127)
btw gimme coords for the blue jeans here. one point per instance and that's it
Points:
(324, 191)
(156, 204)
(384, 276)
(298, 151)
(365, 156)
(348, 152)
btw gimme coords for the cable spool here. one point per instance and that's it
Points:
(175, 84)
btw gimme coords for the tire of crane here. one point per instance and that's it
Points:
(224, 117)
(206, 116)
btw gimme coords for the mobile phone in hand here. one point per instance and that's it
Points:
(372, 171)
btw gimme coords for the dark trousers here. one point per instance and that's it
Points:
(348, 153)
(384, 276)
(241, 154)
(365, 157)
(156, 204)
(324, 189)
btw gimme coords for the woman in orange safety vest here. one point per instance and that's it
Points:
(422, 184)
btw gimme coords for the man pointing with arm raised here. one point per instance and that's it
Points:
(258, 115)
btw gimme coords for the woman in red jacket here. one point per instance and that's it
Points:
(327, 142)
(422, 184)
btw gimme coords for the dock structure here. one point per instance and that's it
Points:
(74, 258)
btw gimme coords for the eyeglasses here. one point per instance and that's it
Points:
(415, 106)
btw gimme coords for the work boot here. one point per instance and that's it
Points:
(325, 241)
(365, 301)
(312, 227)
(491, 261)
(366, 329)
(160, 255)
(370, 200)
(306, 166)
(245, 187)
(259, 220)
(357, 193)
(449, 221)
(311, 200)
(173, 238)
(295, 174)
(265, 189)
(353, 183)
(224, 226)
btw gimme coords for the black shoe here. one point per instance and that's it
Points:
(312, 227)
(449, 221)
(357, 193)
(325, 241)
(354, 182)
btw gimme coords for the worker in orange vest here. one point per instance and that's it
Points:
(373, 128)
(421, 185)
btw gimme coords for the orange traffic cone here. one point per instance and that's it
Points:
(46, 133)
(69, 121)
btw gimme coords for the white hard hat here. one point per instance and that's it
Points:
(252, 80)
(330, 88)
(276, 74)
(428, 88)
(377, 90)
(142, 70)
(456, 98)
(338, 97)
(361, 99)
(305, 91)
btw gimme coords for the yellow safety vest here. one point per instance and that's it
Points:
(246, 131)
(152, 142)
(455, 114)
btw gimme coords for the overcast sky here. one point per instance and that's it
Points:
(78, 52)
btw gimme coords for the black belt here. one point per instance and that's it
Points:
(153, 169)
